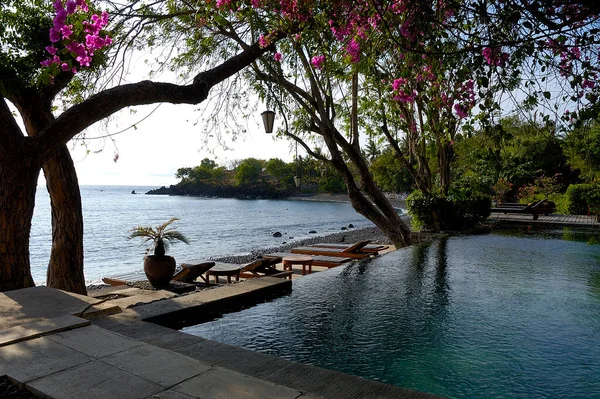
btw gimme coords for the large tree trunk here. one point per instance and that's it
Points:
(376, 207)
(17, 200)
(65, 270)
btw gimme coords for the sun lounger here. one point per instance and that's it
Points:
(190, 271)
(318, 260)
(371, 248)
(328, 252)
(262, 267)
(124, 279)
(351, 251)
(541, 207)
(257, 268)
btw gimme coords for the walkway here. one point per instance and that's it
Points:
(552, 220)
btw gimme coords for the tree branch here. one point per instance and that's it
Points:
(107, 102)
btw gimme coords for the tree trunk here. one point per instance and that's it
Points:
(376, 207)
(17, 199)
(445, 155)
(65, 269)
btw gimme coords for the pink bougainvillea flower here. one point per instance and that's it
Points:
(317, 61)
(277, 56)
(398, 83)
(51, 49)
(263, 41)
(54, 35)
(71, 6)
(353, 50)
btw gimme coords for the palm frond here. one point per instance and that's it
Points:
(165, 233)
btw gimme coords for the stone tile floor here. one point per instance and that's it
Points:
(48, 347)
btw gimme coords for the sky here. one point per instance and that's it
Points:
(167, 140)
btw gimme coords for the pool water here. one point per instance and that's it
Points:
(492, 316)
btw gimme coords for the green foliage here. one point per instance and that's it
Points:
(249, 171)
(541, 188)
(24, 27)
(332, 183)
(582, 146)
(439, 213)
(389, 174)
(283, 172)
(516, 151)
(579, 196)
(161, 237)
(501, 187)
(560, 200)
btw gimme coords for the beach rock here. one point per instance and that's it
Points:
(344, 228)
(132, 191)
(290, 238)
(350, 226)
(277, 234)
(312, 232)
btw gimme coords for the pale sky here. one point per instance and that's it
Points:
(167, 140)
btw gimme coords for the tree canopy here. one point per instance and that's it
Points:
(417, 74)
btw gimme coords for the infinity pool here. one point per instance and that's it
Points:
(493, 316)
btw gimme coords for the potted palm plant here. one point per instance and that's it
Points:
(159, 268)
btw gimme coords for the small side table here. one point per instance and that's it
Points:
(225, 270)
(304, 260)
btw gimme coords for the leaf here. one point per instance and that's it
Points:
(547, 95)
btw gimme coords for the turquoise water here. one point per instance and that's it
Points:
(494, 316)
(215, 227)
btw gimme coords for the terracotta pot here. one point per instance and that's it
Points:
(159, 270)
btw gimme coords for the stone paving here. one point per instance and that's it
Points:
(63, 345)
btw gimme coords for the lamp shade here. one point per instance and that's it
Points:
(297, 181)
(268, 120)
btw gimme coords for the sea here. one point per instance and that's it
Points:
(214, 226)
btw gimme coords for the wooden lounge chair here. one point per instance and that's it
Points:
(371, 248)
(352, 251)
(318, 260)
(124, 279)
(262, 267)
(188, 274)
(257, 268)
(541, 207)
(190, 271)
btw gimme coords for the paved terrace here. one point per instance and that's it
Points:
(62, 345)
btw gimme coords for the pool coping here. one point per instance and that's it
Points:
(311, 380)
(66, 356)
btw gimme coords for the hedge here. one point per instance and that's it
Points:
(445, 213)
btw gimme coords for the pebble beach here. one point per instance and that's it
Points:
(350, 235)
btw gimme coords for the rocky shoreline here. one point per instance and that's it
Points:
(348, 236)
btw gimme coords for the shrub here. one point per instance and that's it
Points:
(560, 200)
(579, 196)
(437, 213)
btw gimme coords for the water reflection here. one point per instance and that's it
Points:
(472, 317)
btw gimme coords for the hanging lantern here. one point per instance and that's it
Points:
(268, 120)
(297, 181)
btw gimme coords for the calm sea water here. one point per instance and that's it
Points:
(215, 227)
(495, 316)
